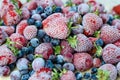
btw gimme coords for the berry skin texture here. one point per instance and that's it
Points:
(38, 63)
(111, 54)
(6, 56)
(11, 18)
(96, 62)
(118, 68)
(109, 34)
(83, 43)
(3, 36)
(21, 26)
(91, 23)
(25, 13)
(112, 69)
(82, 61)
(69, 75)
(19, 40)
(43, 74)
(30, 32)
(56, 27)
(4, 70)
(15, 75)
(22, 64)
(44, 49)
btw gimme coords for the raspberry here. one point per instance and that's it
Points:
(82, 61)
(30, 32)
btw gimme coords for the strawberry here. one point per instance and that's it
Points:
(56, 27)
(111, 70)
(21, 26)
(111, 54)
(116, 9)
(8, 29)
(58, 2)
(11, 18)
(82, 61)
(77, 1)
(3, 36)
(96, 62)
(43, 74)
(91, 23)
(80, 43)
(30, 32)
(117, 43)
(30, 5)
(19, 40)
(69, 75)
(68, 57)
(44, 3)
(6, 56)
(118, 68)
(44, 49)
(25, 13)
(109, 34)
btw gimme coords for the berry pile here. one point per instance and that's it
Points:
(47, 40)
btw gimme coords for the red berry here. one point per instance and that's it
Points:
(25, 13)
(96, 62)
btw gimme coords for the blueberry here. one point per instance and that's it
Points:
(93, 70)
(49, 64)
(60, 59)
(20, 54)
(34, 42)
(43, 15)
(52, 58)
(94, 77)
(22, 72)
(15, 75)
(31, 72)
(69, 66)
(12, 66)
(73, 8)
(39, 9)
(58, 9)
(87, 75)
(30, 57)
(25, 77)
(55, 42)
(33, 12)
(31, 49)
(78, 76)
(46, 38)
(36, 17)
(41, 33)
(24, 50)
(110, 19)
(48, 10)
(99, 42)
(38, 24)
(31, 21)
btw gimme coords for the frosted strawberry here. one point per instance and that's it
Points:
(42, 74)
(44, 49)
(19, 40)
(3, 36)
(80, 43)
(21, 26)
(30, 32)
(111, 54)
(57, 27)
(118, 68)
(69, 75)
(31, 5)
(91, 23)
(25, 13)
(44, 3)
(117, 43)
(6, 55)
(8, 29)
(96, 62)
(11, 18)
(82, 61)
(111, 70)
(109, 34)
(77, 1)
(58, 2)
(4, 70)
